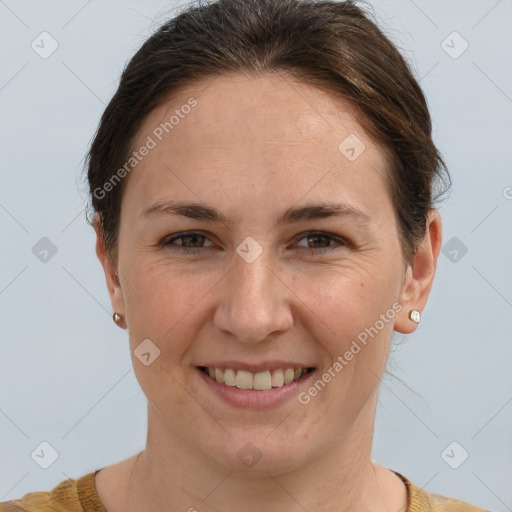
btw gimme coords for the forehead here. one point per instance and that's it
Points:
(271, 134)
(272, 107)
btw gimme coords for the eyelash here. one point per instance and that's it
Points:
(167, 242)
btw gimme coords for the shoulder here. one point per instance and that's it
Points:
(67, 496)
(446, 504)
(421, 500)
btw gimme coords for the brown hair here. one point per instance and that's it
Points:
(334, 46)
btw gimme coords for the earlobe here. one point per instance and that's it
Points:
(112, 279)
(419, 276)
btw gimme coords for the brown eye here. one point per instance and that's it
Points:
(191, 241)
(316, 238)
(319, 241)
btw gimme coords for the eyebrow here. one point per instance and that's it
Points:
(310, 211)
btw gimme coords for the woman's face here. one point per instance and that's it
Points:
(255, 291)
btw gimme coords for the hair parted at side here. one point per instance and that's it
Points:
(332, 45)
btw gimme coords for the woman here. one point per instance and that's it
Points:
(263, 193)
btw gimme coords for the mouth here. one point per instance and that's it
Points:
(261, 381)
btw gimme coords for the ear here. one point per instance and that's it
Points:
(113, 284)
(419, 275)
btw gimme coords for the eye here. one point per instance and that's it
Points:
(191, 237)
(323, 239)
(193, 242)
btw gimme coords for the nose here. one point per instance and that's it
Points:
(255, 302)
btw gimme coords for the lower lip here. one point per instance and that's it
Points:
(251, 399)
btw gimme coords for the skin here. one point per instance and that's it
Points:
(251, 148)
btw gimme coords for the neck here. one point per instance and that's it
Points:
(342, 478)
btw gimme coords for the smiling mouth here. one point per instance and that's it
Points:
(261, 381)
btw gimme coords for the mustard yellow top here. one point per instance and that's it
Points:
(79, 495)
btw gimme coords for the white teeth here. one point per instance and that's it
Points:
(289, 373)
(277, 378)
(261, 381)
(243, 379)
(230, 377)
(219, 375)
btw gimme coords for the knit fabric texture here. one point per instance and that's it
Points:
(79, 495)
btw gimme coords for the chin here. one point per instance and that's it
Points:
(255, 452)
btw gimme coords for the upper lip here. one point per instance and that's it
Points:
(255, 367)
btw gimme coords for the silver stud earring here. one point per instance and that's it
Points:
(415, 316)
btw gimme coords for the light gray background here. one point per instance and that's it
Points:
(65, 374)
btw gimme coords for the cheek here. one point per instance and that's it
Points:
(159, 306)
(342, 301)
(162, 304)
(335, 303)
(350, 314)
